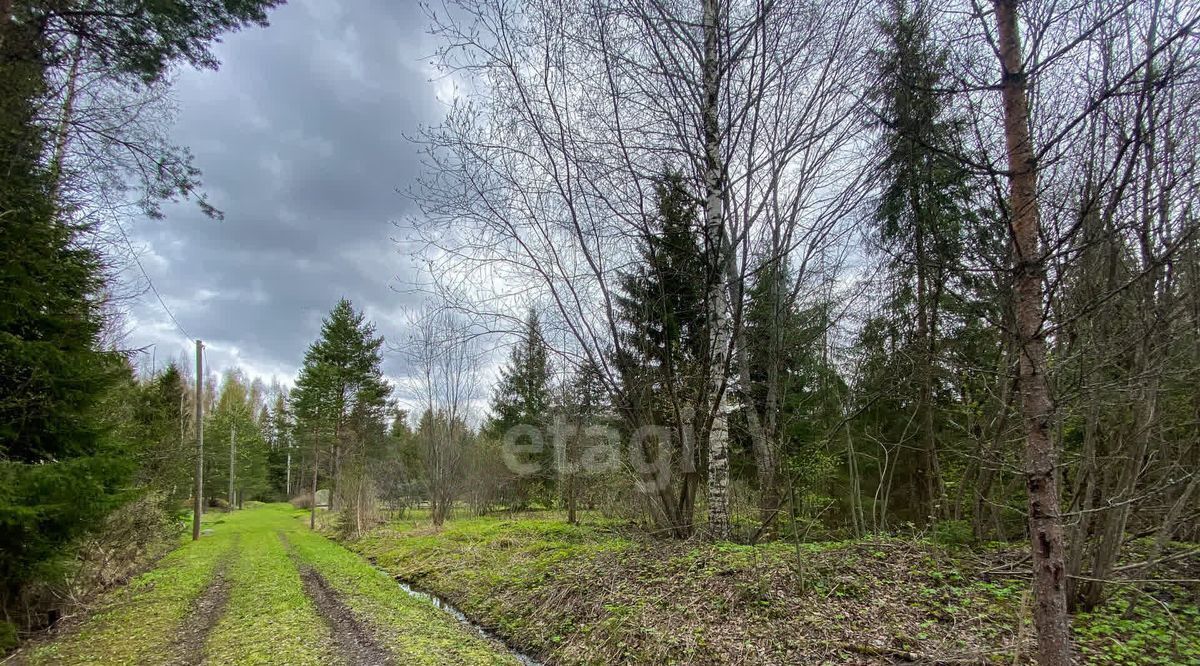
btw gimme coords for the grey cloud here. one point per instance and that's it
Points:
(301, 137)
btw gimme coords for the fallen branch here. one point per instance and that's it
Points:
(914, 657)
(1162, 560)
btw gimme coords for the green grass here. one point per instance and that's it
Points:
(413, 629)
(532, 545)
(599, 593)
(138, 623)
(269, 619)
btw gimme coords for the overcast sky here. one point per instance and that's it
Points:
(301, 138)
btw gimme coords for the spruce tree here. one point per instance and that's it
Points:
(583, 403)
(920, 218)
(661, 303)
(662, 364)
(60, 471)
(792, 383)
(522, 397)
(161, 448)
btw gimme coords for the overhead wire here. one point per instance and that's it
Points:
(136, 260)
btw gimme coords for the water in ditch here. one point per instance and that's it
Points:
(449, 609)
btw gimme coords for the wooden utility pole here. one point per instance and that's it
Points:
(198, 490)
(232, 462)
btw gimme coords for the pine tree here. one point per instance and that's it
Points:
(522, 397)
(341, 397)
(139, 38)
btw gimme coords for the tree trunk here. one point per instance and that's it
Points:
(232, 465)
(929, 484)
(1115, 520)
(63, 132)
(1041, 455)
(685, 511)
(1083, 500)
(571, 518)
(312, 514)
(761, 441)
(1170, 521)
(857, 519)
(362, 501)
(334, 467)
(990, 458)
(718, 305)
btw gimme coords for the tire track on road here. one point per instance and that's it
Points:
(207, 609)
(356, 640)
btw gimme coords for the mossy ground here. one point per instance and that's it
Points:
(268, 618)
(598, 593)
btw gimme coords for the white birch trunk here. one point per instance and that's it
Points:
(720, 323)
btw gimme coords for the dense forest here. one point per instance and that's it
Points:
(756, 275)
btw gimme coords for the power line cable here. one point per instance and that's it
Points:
(163, 303)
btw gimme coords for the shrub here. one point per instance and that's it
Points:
(8, 636)
(952, 533)
(302, 501)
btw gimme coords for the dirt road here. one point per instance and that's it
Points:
(259, 588)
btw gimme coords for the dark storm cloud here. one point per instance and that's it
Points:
(301, 137)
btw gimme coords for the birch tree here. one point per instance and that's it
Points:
(546, 168)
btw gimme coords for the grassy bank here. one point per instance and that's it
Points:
(597, 594)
